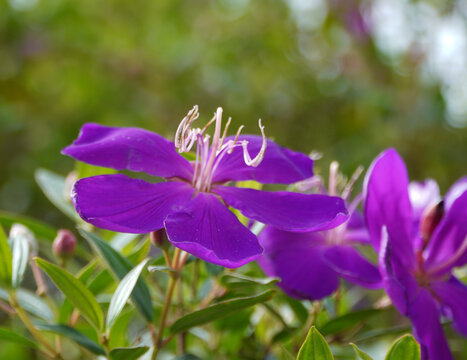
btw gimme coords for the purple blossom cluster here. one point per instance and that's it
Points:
(310, 238)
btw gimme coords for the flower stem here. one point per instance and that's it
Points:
(27, 322)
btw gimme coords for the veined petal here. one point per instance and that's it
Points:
(386, 203)
(207, 229)
(296, 258)
(453, 295)
(286, 210)
(349, 264)
(119, 203)
(427, 328)
(129, 149)
(449, 242)
(279, 166)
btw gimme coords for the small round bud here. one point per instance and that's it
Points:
(64, 244)
(159, 239)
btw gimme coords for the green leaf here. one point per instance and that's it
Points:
(53, 186)
(130, 353)
(233, 280)
(86, 170)
(219, 310)
(361, 354)
(30, 302)
(20, 255)
(73, 334)
(5, 260)
(121, 266)
(140, 253)
(12, 336)
(404, 348)
(348, 320)
(123, 292)
(187, 357)
(75, 291)
(161, 268)
(39, 229)
(315, 347)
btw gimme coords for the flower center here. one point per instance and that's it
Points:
(209, 153)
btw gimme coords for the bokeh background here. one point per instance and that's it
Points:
(346, 78)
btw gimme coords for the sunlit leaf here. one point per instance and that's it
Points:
(39, 229)
(73, 334)
(30, 302)
(141, 252)
(20, 256)
(12, 336)
(315, 347)
(130, 353)
(123, 292)
(75, 291)
(5, 259)
(219, 310)
(360, 353)
(404, 348)
(120, 267)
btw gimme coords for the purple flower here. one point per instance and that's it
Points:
(309, 263)
(416, 262)
(193, 204)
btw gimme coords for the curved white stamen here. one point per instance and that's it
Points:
(353, 179)
(451, 261)
(258, 158)
(333, 173)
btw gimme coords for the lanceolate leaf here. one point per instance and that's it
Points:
(73, 334)
(121, 266)
(219, 310)
(131, 353)
(30, 302)
(405, 348)
(39, 229)
(123, 292)
(8, 335)
(315, 347)
(348, 320)
(5, 260)
(361, 354)
(20, 258)
(75, 291)
(53, 186)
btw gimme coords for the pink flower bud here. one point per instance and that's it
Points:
(159, 239)
(64, 244)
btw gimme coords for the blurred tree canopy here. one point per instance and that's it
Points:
(324, 76)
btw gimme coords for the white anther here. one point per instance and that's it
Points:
(258, 158)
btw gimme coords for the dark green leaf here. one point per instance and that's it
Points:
(346, 321)
(130, 353)
(140, 253)
(73, 334)
(404, 348)
(53, 186)
(213, 269)
(5, 259)
(123, 292)
(12, 336)
(39, 229)
(233, 278)
(315, 347)
(361, 354)
(219, 310)
(187, 357)
(75, 291)
(120, 267)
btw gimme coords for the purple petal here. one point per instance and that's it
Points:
(456, 190)
(286, 210)
(207, 229)
(423, 194)
(448, 246)
(296, 258)
(279, 166)
(453, 295)
(427, 328)
(129, 149)
(356, 231)
(387, 204)
(120, 203)
(349, 264)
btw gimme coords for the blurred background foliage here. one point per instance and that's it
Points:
(347, 78)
